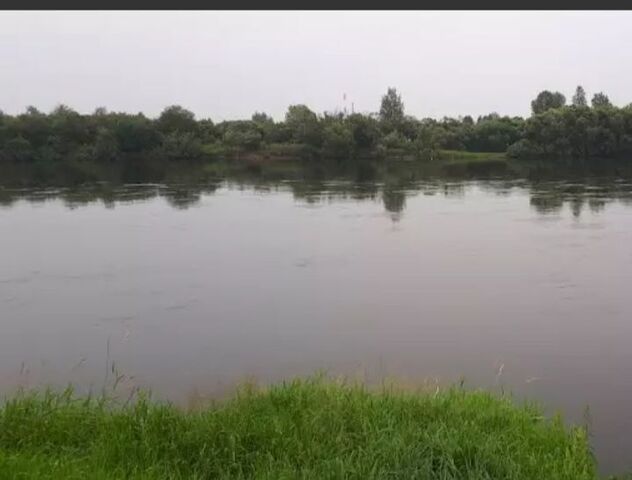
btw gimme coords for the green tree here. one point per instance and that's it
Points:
(242, 135)
(265, 124)
(494, 134)
(600, 100)
(338, 140)
(33, 126)
(261, 117)
(409, 126)
(579, 99)
(135, 133)
(207, 131)
(176, 119)
(106, 146)
(18, 149)
(547, 133)
(392, 108)
(303, 125)
(278, 132)
(181, 146)
(69, 126)
(547, 100)
(364, 130)
(428, 140)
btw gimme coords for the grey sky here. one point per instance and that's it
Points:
(226, 65)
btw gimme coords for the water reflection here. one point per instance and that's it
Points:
(550, 190)
(594, 193)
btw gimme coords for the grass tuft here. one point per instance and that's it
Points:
(309, 429)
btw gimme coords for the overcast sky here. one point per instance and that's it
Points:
(226, 65)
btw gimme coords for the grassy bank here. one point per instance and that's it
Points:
(461, 155)
(304, 429)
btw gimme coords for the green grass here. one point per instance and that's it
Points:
(462, 155)
(308, 429)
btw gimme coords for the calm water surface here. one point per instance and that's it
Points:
(511, 284)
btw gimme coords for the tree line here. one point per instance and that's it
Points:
(554, 130)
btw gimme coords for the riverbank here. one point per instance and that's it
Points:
(303, 429)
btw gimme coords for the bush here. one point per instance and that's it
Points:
(243, 135)
(523, 149)
(337, 141)
(181, 146)
(394, 140)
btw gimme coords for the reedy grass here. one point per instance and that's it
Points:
(308, 429)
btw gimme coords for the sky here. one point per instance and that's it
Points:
(227, 65)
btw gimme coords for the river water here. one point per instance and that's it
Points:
(187, 289)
